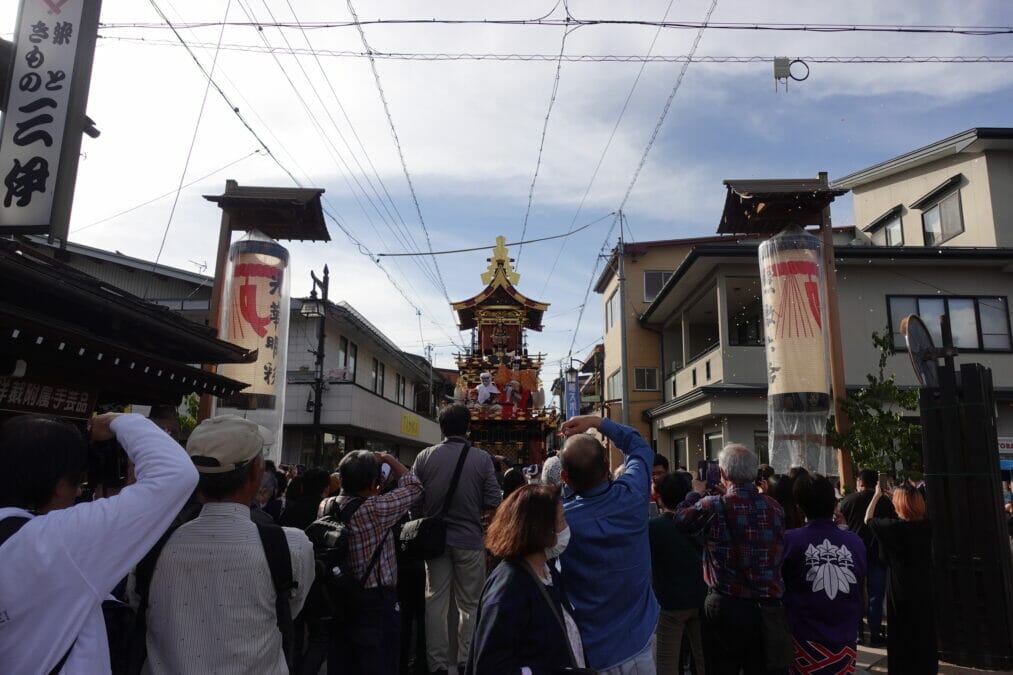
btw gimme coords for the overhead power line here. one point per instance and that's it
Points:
(569, 58)
(193, 140)
(643, 160)
(573, 21)
(166, 194)
(400, 154)
(329, 212)
(487, 247)
(608, 144)
(541, 143)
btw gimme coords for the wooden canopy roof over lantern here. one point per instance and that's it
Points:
(767, 206)
(500, 302)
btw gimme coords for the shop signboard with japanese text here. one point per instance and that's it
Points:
(24, 395)
(40, 142)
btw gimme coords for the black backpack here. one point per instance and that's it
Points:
(279, 560)
(337, 593)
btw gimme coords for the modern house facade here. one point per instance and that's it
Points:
(931, 237)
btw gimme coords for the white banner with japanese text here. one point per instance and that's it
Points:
(46, 48)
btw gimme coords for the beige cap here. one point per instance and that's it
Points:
(224, 443)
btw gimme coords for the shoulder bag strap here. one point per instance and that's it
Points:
(454, 480)
(279, 560)
(8, 528)
(540, 585)
(375, 559)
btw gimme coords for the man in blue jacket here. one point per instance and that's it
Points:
(607, 566)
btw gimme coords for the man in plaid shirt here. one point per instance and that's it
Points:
(743, 552)
(371, 642)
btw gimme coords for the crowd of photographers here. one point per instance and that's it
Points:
(212, 560)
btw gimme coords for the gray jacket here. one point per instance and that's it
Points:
(477, 490)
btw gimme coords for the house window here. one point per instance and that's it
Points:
(353, 357)
(380, 377)
(714, 442)
(611, 310)
(890, 233)
(614, 385)
(761, 446)
(654, 281)
(374, 373)
(342, 352)
(745, 311)
(680, 451)
(400, 389)
(977, 323)
(645, 379)
(943, 220)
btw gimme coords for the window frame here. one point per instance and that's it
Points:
(610, 311)
(666, 275)
(352, 359)
(609, 389)
(936, 203)
(643, 370)
(374, 374)
(976, 299)
(382, 379)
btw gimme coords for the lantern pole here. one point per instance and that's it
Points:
(845, 469)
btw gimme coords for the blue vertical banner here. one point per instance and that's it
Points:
(572, 394)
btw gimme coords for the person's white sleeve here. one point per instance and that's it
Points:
(303, 567)
(105, 538)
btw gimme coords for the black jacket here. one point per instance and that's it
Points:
(515, 627)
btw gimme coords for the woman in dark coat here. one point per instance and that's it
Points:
(523, 618)
(905, 544)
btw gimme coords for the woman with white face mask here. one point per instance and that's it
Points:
(525, 623)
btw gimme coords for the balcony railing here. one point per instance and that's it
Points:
(704, 369)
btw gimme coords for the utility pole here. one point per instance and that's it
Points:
(844, 464)
(318, 381)
(432, 390)
(624, 374)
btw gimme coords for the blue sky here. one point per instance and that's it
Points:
(470, 133)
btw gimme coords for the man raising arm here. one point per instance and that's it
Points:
(607, 566)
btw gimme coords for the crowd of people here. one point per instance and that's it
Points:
(212, 560)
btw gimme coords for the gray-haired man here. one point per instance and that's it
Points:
(742, 560)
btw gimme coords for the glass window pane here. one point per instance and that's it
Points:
(899, 308)
(963, 324)
(952, 223)
(994, 317)
(933, 229)
(894, 236)
(931, 311)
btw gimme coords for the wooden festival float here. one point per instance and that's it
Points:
(515, 422)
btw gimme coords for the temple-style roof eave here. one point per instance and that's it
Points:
(490, 289)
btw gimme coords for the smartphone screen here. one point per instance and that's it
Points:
(707, 471)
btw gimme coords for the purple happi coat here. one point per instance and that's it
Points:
(824, 577)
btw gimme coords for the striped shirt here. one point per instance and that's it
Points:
(371, 522)
(212, 601)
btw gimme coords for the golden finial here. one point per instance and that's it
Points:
(500, 260)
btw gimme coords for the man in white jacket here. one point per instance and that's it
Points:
(66, 559)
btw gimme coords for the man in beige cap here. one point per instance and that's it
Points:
(212, 601)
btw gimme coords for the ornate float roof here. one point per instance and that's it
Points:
(499, 280)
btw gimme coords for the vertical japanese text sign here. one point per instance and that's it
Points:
(255, 315)
(47, 89)
(572, 394)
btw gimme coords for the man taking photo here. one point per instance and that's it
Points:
(61, 560)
